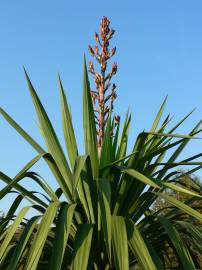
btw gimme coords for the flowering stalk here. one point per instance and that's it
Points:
(103, 100)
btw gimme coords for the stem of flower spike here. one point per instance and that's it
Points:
(103, 105)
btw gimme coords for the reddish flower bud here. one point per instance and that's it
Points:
(104, 27)
(96, 50)
(91, 50)
(111, 33)
(96, 36)
(91, 67)
(113, 51)
(103, 66)
(114, 68)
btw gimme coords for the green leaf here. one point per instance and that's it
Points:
(139, 247)
(115, 141)
(140, 177)
(68, 129)
(182, 206)
(178, 244)
(180, 148)
(82, 247)
(47, 157)
(90, 135)
(193, 230)
(80, 185)
(43, 184)
(22, 132)
(21, 189)
(12, 229)
(106, 152)
(11, 212)
(90, 189)
(19, 176)
(51, 140)
(63, 225)
(157, 119)
(121, 152)
(80, 163)
(104, 195)
(180, 189)
(41, 235)
(120, 243)
(28, 230)
(117, 161)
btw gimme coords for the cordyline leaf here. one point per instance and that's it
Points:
(12, 229)
(180, 122)
(157, 261)
(8, 251)
(43, 229)
(22, 132)
(106, 152)
(194, 231)
(180, 148)
(43, 184)
(82, 247)
(80, 163)
(154, 141)
(173, 135)
(182, 206)
(115, 141)
(19, 176)
(140, 177)
(125, 184)
(63, 225)
(178, 244)
(80, 185)
(180, 189)
(21, 189)
(28, 230)
(166, 147)
(47, 157)
(157, 119)
(118, 161)
(90, 135)
(139, 247)
(11, 212)
(68, 129)
(121, 152)
(104, 195)
(51, 139)
(120, 243)
(90, 189)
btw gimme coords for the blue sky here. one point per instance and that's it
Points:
(159, 52)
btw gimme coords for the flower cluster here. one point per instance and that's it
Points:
(105, 93)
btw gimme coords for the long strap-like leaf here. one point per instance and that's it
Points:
(82, 247)
(68, 129)
(47, 157)
(104, 195)
(30, 226)
(178, 244)
(41, 235)
(90, 135)
(139, 247)
(120, 243)
(63, 225)
(51, 139)
(12, 229)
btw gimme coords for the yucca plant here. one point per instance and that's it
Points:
(101, 216)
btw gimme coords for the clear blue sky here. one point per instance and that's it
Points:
(159, 52)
